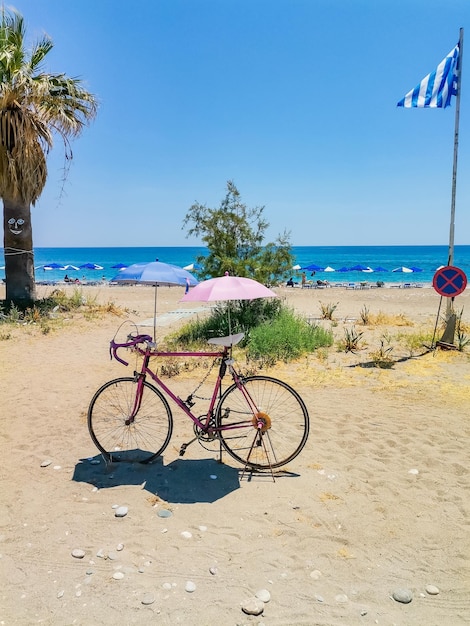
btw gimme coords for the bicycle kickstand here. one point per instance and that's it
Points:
(185, 446)
(249, 454)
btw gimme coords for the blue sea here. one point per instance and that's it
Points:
(426, 258)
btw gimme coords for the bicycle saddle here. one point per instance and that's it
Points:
(231, 340)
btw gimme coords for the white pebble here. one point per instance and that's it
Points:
(148, 598)
(315, 574)
(119, 547)
(432, 590)
(46, 463)
(190, 586)
(115, 506)
(402, 595)
(202, 528)
(78, 553)
(413, 471)
(263, 595)
(166, 586)
(101, 554)
(121, 511)
(118, 575)
(186, 534)
(213, 570)
(112, 556)
(341, 597)
(57, 467)
(61, 593)
(253, 606)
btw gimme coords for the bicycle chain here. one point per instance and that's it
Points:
(193, 394)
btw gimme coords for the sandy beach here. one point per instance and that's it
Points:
(376, 503)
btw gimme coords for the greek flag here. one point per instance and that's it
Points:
(436, 90)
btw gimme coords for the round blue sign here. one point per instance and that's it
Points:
(449, 281)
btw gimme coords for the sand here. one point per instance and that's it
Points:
(378, 500)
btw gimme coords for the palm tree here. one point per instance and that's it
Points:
(34, 106)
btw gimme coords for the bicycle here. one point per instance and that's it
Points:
(260, 421)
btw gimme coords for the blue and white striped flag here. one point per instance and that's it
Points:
(436, 90)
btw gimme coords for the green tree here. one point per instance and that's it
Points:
(234, 235)
(34, 106)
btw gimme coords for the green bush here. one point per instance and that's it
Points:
(285, 338)
(244, 315)
(273, 332)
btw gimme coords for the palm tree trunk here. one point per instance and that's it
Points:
(19, 255)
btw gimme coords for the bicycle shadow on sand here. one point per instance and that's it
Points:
(183, 481)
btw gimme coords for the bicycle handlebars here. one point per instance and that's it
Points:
(114, 347)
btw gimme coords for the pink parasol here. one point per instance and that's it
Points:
(228, 288)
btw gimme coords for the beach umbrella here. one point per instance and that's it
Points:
(118, 266)
(52, 266)
(228, 288)
(69, 267)
(343, 269)
(405, 270)
(158, 274)
(313, 268)
(380, 269)
(359, 268)
(192, 266)
(329, 269)
(415, 269)
(368, 270)
(90, 266)
(297, 267)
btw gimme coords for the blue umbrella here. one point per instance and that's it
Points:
(90, 266)
(359, 268)
(158, 274)
(155, 273)
(52, 266)
(380, 269)
(118, 266)
(192, 266)
(313, 268)
(415, 269)
(343, 269)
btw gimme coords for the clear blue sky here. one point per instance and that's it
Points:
(293, 100)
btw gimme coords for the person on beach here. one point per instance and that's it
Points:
(290, 282)
(304, 279)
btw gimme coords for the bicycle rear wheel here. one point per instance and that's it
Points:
(119, 436)
(280, 410)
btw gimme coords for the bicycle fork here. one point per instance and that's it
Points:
(140, 377)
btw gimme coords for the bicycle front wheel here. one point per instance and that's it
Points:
(123, 432)
(265, 424)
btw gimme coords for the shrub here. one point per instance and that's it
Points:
(285, 338)
(327, 310)
(351, 340)
(244, 315)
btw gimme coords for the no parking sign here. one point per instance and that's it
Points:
(449, 281)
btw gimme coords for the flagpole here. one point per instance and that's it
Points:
(454, 170)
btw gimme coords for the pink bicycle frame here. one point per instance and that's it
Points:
(148, 353)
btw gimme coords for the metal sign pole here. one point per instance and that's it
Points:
(454, 170)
